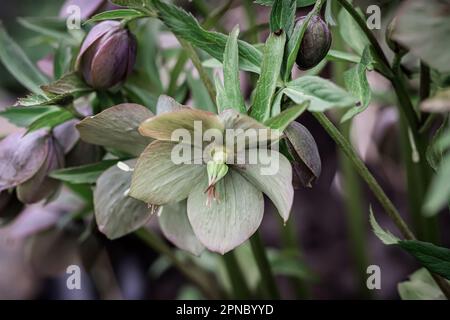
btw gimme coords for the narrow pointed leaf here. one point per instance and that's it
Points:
(270, 72)
(282, 120)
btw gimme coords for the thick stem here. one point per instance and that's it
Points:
(365, 174)
(198, 279)
(238, 283)
(265, 270)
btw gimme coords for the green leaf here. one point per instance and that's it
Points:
(24, 116)
(438, 194)
(420, 286)
(288, 263)
(300, 3)
(423, 27)
(185, 26)
(52, 27)
(62, 60)
(132, 3)
(232, 90)
(276, 182)
(270, 72)
(322, 94)
(50, 119)
(158, 180)
(175, 226)
(282, 120)
(18, 64)
(282, 16)
(303, 149)
(127, 14)
(117, 127)
(83, 174)
(200, 94)
(358, 85)
(115, 212)
(223, 224)
(385, 236)
(342, 56)
(70, 84)
(434, 258)
(351, 33)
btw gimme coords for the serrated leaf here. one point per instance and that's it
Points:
(18, 64)
(351, 33)
(434, 258)
(282, 16)
(284, 119)
(322, 94)
(185, 26)
(69, 84)
(126, 14)
(230, 220)
(270, 72)
(115, 212)
(24, 116)
(300, 3)
(83, 174)
(176, 227)
(385, 236)
(232, 96)
(117, 127)
(50, 119)
(358, 85)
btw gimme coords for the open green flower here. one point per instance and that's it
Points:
(224, 195)
(212, 202)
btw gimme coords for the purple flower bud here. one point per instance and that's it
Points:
(107, 55)
(26, 161)
(87, 7)
(315, 44)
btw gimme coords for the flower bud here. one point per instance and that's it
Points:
(25, 162)
(392, 44)
(107, 55)
(315, 44)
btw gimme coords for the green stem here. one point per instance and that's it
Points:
(290, 242)
(175, 74)
(235, 275)
(201, 71)
(267, 278)
(199, 279)
(375, 187)
(365, 174)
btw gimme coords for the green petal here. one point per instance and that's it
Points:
(116, 127)
(116, 213)
(278, 186)
(158, 180)
(231, 219)
(162, 126)
(176, 227)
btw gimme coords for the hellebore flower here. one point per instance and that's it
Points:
(107, 55)
(315, 44)
(26, 161)
(224, 190)
(215, 202)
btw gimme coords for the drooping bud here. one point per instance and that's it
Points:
(315, 44)
(392, 44)
(107, 55)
